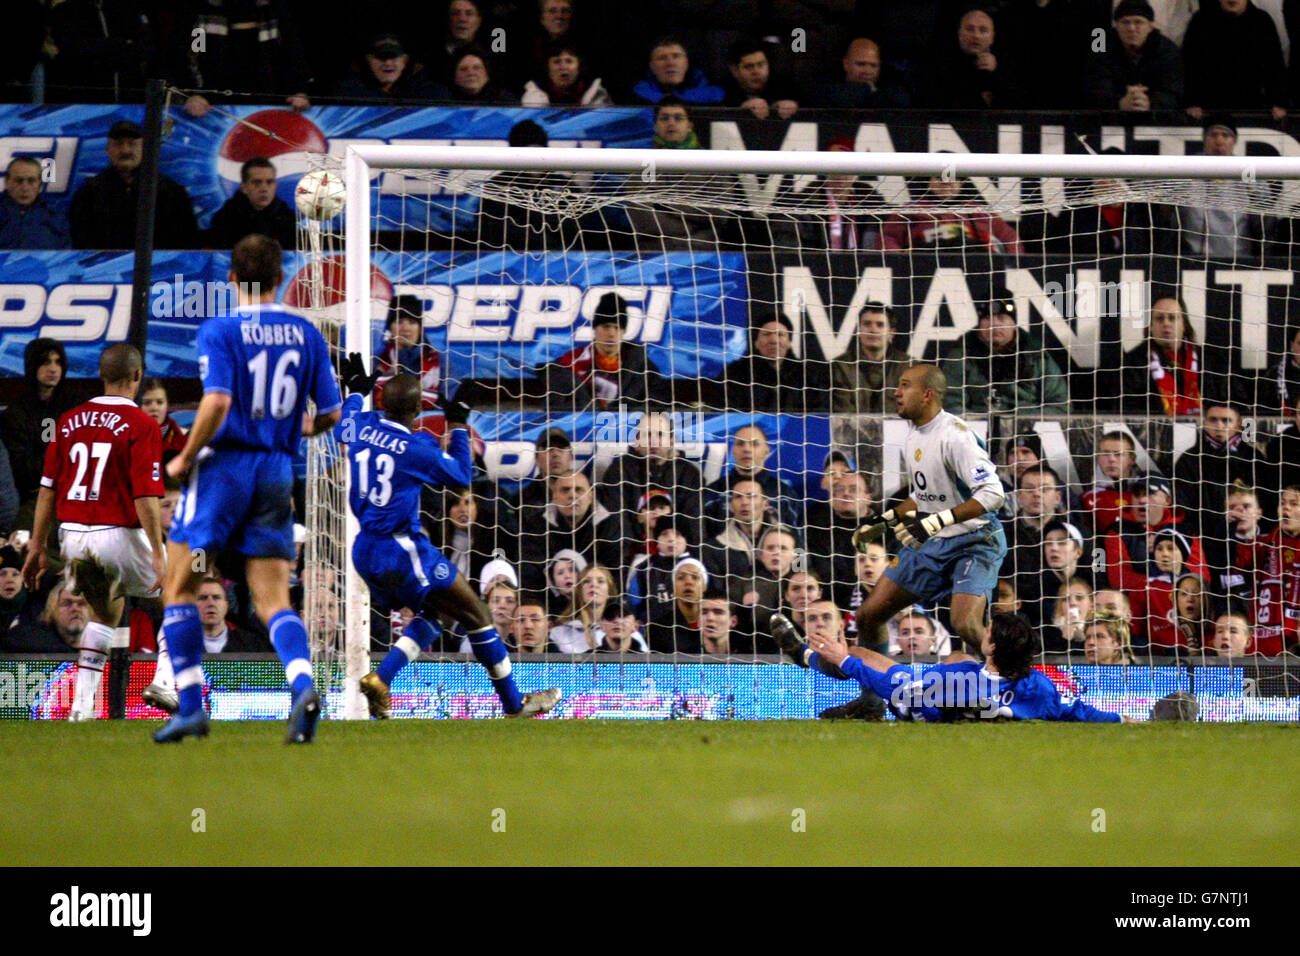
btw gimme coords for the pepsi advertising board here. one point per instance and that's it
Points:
(494, 316)
(205, 155)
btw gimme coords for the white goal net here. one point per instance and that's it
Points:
(683, 367)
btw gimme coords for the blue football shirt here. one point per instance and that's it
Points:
(390, 463)
(269, 361)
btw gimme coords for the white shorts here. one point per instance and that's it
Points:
(126, 550)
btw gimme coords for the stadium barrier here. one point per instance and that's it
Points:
(251, 687)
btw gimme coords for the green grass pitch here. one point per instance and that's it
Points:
(595, 792)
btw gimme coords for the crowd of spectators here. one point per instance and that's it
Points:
(650, 553)
(769, 58)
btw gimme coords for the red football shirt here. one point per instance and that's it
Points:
(105, 454)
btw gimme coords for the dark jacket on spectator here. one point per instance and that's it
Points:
(842, 95)
(1205, 473)
(104, 51)
(958, 85)
(1233, 62)
(697, 90)
(103, 214)
(22, 426)
(8, 494)
(1158, 66)
(1112, 230)
(598, 537)
(1138, 392)
(754, 383)
(36, 226)
(237, 218)
(786, 505)
(411, 85)
(669, 631)
(277, 65)
(1024, 378)
(576, 377)
(634, 474)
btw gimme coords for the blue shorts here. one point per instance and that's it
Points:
(240, 499)
(963, 564)
(401, 569)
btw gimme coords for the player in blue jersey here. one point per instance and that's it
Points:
(390, 464)
(259, 365)
(960, 688)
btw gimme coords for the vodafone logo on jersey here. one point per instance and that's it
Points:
(322, 285)
(282, 136)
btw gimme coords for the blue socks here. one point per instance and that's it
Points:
(185, 641)
(417, 636)
(289, 637)
(491, 653)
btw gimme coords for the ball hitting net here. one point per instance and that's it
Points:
(684, 389)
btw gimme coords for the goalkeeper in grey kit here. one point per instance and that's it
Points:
(952, 539)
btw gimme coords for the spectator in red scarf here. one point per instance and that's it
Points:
(153, 399)
(1131, 548)
(1272, 564)
(407, 351)
(1162, 376)
(609, 369)
(952, 224)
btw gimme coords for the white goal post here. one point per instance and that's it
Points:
(362, 162)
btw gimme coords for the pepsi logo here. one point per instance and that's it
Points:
(322, 284)
(282, 136)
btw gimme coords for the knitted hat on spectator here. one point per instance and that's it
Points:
(1028, 440)
(405, 305)
(10, 558)
(1134, 8)
(841, 144)
(494, 570)
(611, 309)
(386, 45)
(1180, 540)
(1220, 121)
(566, 554)
(682, 524)
(653, 498)
(1149, 484)
(614, 610)
(553, 438)
(692, 563)
(528, 133)
(779, 319)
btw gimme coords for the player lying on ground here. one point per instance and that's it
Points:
(259, 364)
(401, 567)
(103, 477)
(960, 688)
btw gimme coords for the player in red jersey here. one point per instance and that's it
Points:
(103, 474)
(1275, 561)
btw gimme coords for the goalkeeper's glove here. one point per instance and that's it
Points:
(455, 411)
(354, 377)
(913, 530)
(872, 530)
